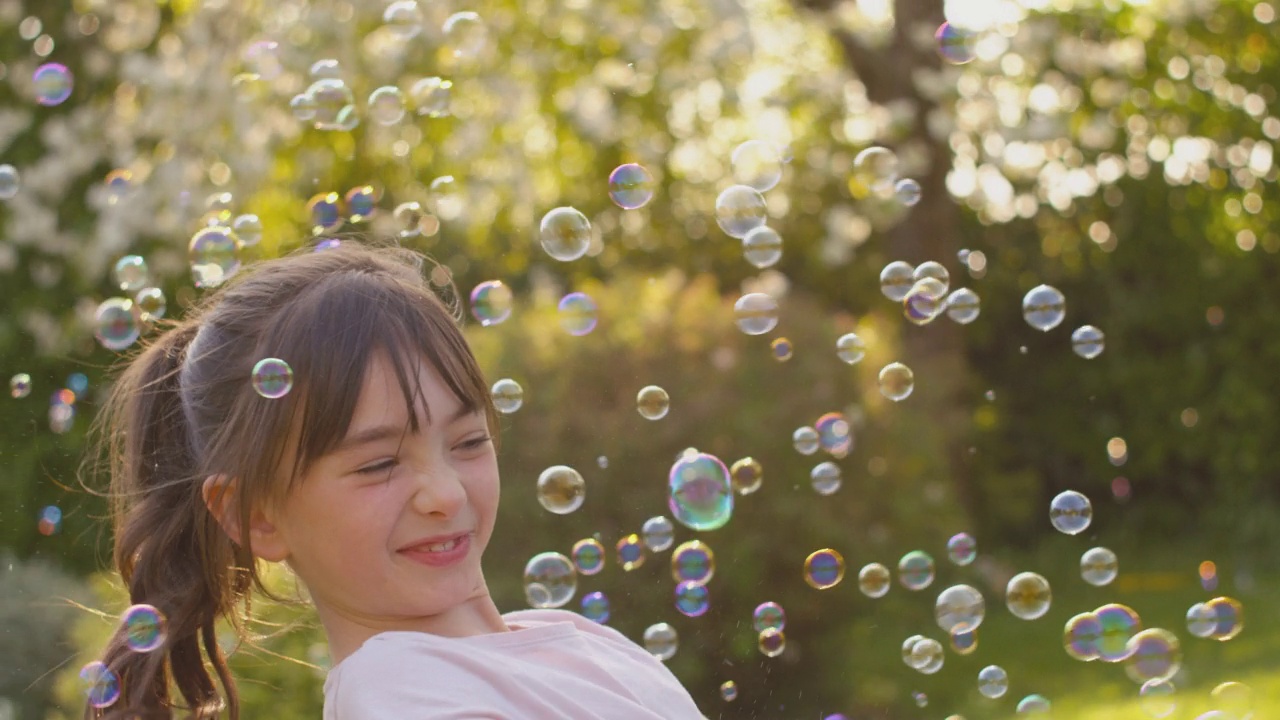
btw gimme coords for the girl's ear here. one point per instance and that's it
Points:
(221, 497)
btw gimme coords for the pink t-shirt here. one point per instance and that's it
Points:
(554, 664)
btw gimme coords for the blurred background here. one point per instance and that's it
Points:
(1119, 151)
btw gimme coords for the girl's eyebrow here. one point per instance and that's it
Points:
(388, 431)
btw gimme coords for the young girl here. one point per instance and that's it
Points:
(375, 479)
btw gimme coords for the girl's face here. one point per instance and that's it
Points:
(387, 530)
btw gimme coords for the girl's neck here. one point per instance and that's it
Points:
(475, 616)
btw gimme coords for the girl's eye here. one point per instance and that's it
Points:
(381, 467)
(476, 443)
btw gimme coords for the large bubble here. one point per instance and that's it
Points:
(700, 492)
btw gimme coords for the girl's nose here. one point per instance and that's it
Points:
(439, 491)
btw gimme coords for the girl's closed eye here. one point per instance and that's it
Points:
(474, 443)
(382, 467)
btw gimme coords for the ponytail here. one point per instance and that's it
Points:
(163, 549)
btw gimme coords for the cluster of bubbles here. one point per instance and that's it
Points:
(143, 628)
(62, 413)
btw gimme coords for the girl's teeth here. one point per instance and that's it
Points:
(443, 547)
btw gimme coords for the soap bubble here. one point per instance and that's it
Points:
(326, 211)
(739, 210)
(325, 69)
(768, 615)
(1202, 620)
(771, 643)
(1154, 654)
(491, 302)
(907, 191)
(729, 690)
(756, 313)
(1088, 342)
(630, 552)
(262, 58)
(361, 202)
(964, 640)
(875, 170)
(508, 396)
(1233, 699)
(53, 83)
(762, 247)
(565, 234)
(955, 45)
(896, 381)
(915, 570)
(959, 605)
(100, 684)
(561, 489)
(335, 105)
(1081, 635)
(447, 198)
(20, 386)
(1028, 595)
(1044, 307)
(248, 228)
(756, 164)
(692, 600)
(834, 434)
(925, 301)
(963, 306)
(825, 478)
(595, 607)
(1157, 698)
(652, 402)
(144, 628)
(1033, 705)
(272, 378)
(577, 313)
(932, 270)
(1119, 624)
(554, 577)
(10, 182)
(658, 533)
(896, 280)
(131, 273)
(1099, 566)
(927, 656)
(303, 107)
(386, 105)
(214, 255)
(907, 646)
(700, 494)
(746, 475)
(780, 349)
(117, 323)
(118, 183)
(850, 348)
(693, 562)
(431, 97)
(407, 217)
(1070, 512)
(824, 569)
(806, 440)
(631, 186)
(661, 641)
(993, 681)
(874, 580)
(962, 549)
(465, 35)
(403, 18)
(1230, 615)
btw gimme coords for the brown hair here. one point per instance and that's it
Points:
(183, 409)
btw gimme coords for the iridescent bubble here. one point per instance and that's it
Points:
(959, 605)
(806, 440)
(565, 234)
(361, 202)
(925, 301)
(1088, 341)
(661, 641)
(963, 306)
(403, 18)
(921, 699)
(962, 549)
(248, 228)
(131, 273)
(896, 280)
(955, 45)
(465, 35)
(1033, 705)
(1154, 654)
(907, 192)
(1099, 566)
(1157, 698)
(561, 489)
(964, 640)
(824, 569)
(491, 302)
(746, 475)
(1028, 595)
(1044, 307)
(447, 198)
(631, 186)
(630, 552)
(408, 219)
(850, 348)
(588, 556)
(303, 107)
(825, 478)
(214, 255)
(1081, 635)
(874, 580)
(595, 607)
(993, 681)
(693, 562)
(1233, 699)
(10, 182)
(907, 646)
(1070, 512)
(431, 97)
(934, 271)
(652, 402)
(915, 570)
(262, 58)
(325, 69)
(1230, 615)
(762, 247)
(144, 628)
(20, 386)
(577, 313)
(757, 165)
(1202, 620)
(700, 493)
(780, 348)
(658, 533)
(692, 600)
(325, 210)
(768, 615)
(756, 313)
(554, 574)
(729, 690)
(508, 396)
(834, 434)
(99, 684)
(53, 83)
(1119, 624)
(118, 183)
(739, 210)
(927, 656)
(335, 105)
(875, 170)
(771, 643)
(897, 381)
(272, 378)
(386, 105)
(116, 323)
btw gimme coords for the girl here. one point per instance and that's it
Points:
(375, 479)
